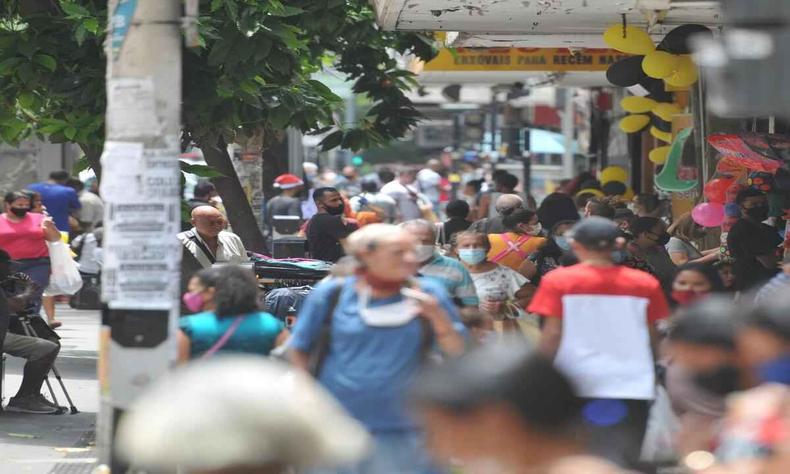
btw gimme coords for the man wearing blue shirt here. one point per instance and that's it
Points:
(60, 200)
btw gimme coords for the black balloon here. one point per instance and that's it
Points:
(660, 124)
(626, 72)
(656, 89)
(591, 184)
(677, 40)
(614, 188)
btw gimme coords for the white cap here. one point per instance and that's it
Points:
(239, 411)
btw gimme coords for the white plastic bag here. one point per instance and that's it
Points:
(662, 426)
(65, 278)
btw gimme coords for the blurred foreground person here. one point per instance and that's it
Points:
(238, 415)
(228, 318)
(365, 336)
(600, 330)
(502, 408)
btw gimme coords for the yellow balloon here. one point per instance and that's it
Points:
(593, 191)
(628, 195)
(613, 173)
(665, 137)
(665, 111)
(634, 123)
(638, 105)
(635, 41)
(685, 75)
(659, 155)
(660, 64)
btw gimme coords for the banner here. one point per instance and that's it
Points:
(523, 59)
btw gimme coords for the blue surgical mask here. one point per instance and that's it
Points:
(472, 256)
(562, 243)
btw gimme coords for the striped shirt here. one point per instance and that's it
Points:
(454, 277)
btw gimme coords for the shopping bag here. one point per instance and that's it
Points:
(65, 278)
(662, 426)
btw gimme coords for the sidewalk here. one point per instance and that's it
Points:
(56, 443)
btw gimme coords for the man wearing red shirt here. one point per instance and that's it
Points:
(599, 329)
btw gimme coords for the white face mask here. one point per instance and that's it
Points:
(424, 252)
(394, 314)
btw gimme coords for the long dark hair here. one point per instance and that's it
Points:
(710, 273)
(236, 290)
(518, 216)
(557, 207)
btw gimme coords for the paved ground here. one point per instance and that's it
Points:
(56, 443)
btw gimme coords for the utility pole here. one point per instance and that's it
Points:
(140, 184)
(568, 121)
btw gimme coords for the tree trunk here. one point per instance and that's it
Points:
(240, 213)
(93, 155)
(275, 160)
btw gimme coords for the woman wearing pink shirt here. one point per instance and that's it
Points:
(24, 235)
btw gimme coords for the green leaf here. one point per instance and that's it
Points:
(332, 140)
(215, 5)
(91, 24)
(7, 66)
(70, 132)
(80, 165)
(80, 33)
(74, 10)
(27, 100)
(279, 117)
(46, 60)
(201, 171)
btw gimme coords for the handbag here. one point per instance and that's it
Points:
(89, 296)
(65, 278)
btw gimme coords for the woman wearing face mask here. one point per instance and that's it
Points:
(365, 336)
(513, 247)
(24, 235)
(649, 244)
(694, 282)
(682, 246)
(496, 285)
(228, 318)
(556, 252)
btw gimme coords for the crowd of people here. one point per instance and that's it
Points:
(465, 328)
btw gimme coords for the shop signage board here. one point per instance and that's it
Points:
(523, 59)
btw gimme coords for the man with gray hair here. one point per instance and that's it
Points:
(505, 205)
(448, 272)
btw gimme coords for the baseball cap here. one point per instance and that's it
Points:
(231, 411)
(288, 181)
(595, 233)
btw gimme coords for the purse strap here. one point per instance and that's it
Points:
(225, 337)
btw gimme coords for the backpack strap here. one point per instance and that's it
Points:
(321, 349)
(512, 247)
(192, 236)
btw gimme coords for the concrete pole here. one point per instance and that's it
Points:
(568, 168)
(140, 183)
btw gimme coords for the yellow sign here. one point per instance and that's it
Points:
(523, 59)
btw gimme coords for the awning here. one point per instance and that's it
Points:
(550, 143)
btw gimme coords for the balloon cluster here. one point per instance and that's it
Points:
(661, 119)
(654, 67)
(614, 183)
(720, 193)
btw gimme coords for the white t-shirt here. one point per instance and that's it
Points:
(429, 181)
(498, 284)
(407, 199)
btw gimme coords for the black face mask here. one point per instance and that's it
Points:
(336, 211)
(663, 239)
(19, 211)
(759, 213)
(721, 380)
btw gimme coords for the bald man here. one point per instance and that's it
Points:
(505, 205)
(208, 240)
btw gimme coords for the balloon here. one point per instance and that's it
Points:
(630, 39)
(665, 111)
(732, 192)
(638, 105)
(613, 173)
(662, 125)
(708, 214)
(593, 191)
(659, 155)
(626, 72)
(685, 75)
(715, 190)
(663, 136)
(634, 123)
(656, 89)
(677, 40)
(614, 188)
(732, 209)
(660, 64)
(628, 195)
(761, 181)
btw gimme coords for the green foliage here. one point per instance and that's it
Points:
(201, 171)
(253, 70)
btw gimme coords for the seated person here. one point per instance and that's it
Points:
(16, 291)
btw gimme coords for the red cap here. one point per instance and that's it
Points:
(288, 181)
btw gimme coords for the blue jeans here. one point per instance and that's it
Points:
(401, 452)
(38, 269)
